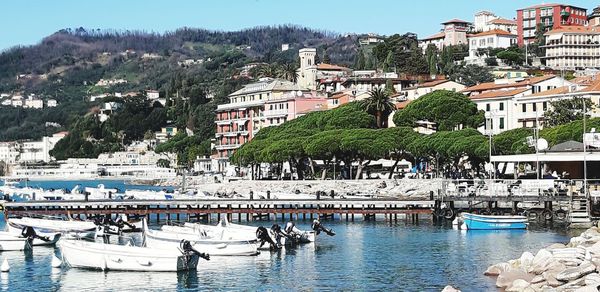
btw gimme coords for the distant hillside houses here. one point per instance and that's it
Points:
(31, 101)
(110, 82)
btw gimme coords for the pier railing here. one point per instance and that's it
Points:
(518, 188)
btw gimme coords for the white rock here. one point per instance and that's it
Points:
(526, 259)
(496, 269)
(450, 289)
(505, 279)
(592, 279)
(537, 279)
(576, 272)
(543, 258)
(586, 289)
(517, 286)
(551, 279)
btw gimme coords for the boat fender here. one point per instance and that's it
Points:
(449, 214)
(560, 214)
(532, 215)
(547, 214)
(5, 268)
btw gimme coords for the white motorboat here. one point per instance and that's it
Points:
(49, 227)
(213, 245)
(104, 256)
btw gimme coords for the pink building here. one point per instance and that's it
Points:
(278, 112)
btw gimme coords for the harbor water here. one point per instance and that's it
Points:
(363, 256)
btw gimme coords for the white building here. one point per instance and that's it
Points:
(152, 94)
(573, 47)
(492, 39)
(34, 103)
(39, 151)
(419, 90)
(9, 152)
(486, 21)
(311, 74)
(51, 103)
(499, 108)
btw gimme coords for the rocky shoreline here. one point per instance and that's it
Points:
(574, 266)
(402, 188)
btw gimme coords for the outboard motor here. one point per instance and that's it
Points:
(29, 233)
(187, 249)
(278, 233)
(262, 234)
(318, 227)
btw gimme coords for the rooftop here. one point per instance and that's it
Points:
(548, 5)
(503, 21)
(455, 20)
(493, 85)
(554, 91)
(574, 29)
(494, 32)
(267, 84)
(439, 35)
(325, 66)
(500, 93)
(593, 87)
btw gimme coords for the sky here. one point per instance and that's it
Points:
(26, 22)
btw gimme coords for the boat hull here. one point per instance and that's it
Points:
(171, 240)
(482, 222)
(46, 227)
(93, 255)
(10, 242)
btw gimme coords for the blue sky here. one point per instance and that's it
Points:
(25, 22)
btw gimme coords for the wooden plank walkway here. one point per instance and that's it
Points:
(225, 206)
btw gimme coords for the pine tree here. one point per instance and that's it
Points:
(389, 62)
(326, 58)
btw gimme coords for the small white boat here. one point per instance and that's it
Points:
(493, 222)
(96, 255)
(213, 245)
(49, 227)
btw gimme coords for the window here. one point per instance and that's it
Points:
(534, 107)
(501, 106)
(545, 105)
(524, 107)
(487, 107)
(501, 123)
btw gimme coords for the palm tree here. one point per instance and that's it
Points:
(379, 104)
(270, 70)
(289, 72)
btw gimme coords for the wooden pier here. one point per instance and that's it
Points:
(252, 209)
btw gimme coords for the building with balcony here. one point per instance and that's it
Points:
(292, 106)
(486, 21)
(238, 121)
(419, 90)
(573, 47)
(549, 16)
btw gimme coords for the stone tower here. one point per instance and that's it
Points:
(307, 73)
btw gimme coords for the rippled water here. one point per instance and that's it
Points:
(362, 256)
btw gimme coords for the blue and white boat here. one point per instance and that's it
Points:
(486, 222)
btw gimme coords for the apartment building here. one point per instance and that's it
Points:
(573, 47)
(454, 32)
(238, 121)
(550, 16)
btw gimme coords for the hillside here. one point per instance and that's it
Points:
(194, 68)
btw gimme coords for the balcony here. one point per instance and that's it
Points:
(227, 146)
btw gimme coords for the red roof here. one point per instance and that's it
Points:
(594, 87)
(494, 32)
(439, 35)
(492, 85)
(554, 91)
(325, 66)
(503, 21)
(402, 104)
(499, 93)
(455, 20)
(574, 29)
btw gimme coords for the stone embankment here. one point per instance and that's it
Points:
(574, 266)
(402, 188)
